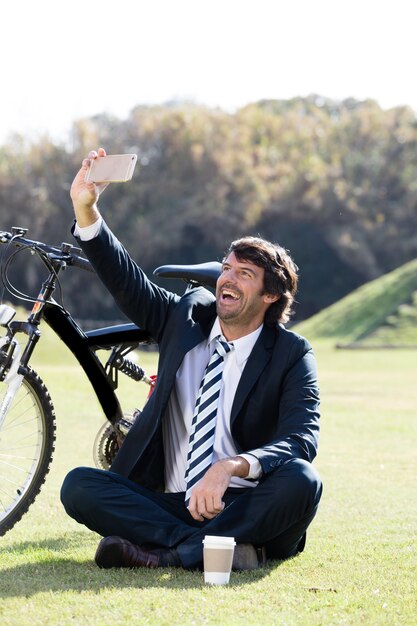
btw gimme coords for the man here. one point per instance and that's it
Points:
(244, 468)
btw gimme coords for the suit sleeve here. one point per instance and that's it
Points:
(297, 425)
(143, 302)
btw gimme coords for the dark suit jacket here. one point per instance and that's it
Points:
(275, 412)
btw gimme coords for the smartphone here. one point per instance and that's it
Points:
(113, 168)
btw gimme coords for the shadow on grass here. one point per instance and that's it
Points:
(44, 571)
(55, 545)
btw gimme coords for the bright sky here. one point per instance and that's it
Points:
(66, 60)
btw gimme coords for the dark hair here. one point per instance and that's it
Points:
(280, 277)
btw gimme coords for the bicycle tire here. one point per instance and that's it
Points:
(27, 443)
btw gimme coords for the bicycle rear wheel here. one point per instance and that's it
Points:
(27, 440)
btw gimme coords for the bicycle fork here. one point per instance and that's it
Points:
(11, 359)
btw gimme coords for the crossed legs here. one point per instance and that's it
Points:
(275, 514)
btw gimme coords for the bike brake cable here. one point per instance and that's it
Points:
(3, 267)
(7, 284)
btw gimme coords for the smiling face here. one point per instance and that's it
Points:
(240, 298)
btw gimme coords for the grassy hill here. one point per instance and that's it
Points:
(381, 312)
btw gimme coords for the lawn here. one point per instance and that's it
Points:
(359, 566)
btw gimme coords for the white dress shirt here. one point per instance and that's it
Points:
(179, 414)
(178, 418)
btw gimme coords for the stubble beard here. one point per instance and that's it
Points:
(240, 316)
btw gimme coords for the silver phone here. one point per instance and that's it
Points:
(113, 168)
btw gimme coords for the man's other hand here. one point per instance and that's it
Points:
(206, 500)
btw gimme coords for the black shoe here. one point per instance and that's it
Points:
(118, 552)
(247, 557)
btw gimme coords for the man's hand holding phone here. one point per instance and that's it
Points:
(85, 195)
(97, 171)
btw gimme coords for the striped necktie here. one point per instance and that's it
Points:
(203, 425)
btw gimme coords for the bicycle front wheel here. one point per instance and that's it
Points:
(27, 440)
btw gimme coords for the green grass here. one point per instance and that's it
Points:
(381, 312)
(359, 566)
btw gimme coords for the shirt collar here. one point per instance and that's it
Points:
(243, 346)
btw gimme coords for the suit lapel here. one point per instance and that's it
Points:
(186, 341)
(255, 365)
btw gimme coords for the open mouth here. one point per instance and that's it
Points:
(229, 295)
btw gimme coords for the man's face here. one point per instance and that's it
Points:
(240, 294)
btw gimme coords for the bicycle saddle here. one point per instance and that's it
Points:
(201, 273)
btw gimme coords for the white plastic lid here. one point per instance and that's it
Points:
(214, 539)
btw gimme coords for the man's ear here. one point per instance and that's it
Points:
(269, 298)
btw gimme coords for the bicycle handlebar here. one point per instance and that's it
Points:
(79, 261)
(64, 253)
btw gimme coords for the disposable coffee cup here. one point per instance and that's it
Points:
(218, 557)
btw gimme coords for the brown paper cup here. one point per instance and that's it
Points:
(218, 557)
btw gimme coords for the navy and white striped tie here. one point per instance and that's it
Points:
(203, 425)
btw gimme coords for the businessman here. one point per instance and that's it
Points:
(225, 444)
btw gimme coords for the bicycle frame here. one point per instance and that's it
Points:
(83, 345)
(120, 339)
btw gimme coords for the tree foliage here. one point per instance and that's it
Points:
(335, 182)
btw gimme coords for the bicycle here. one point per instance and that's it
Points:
(27, 414)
